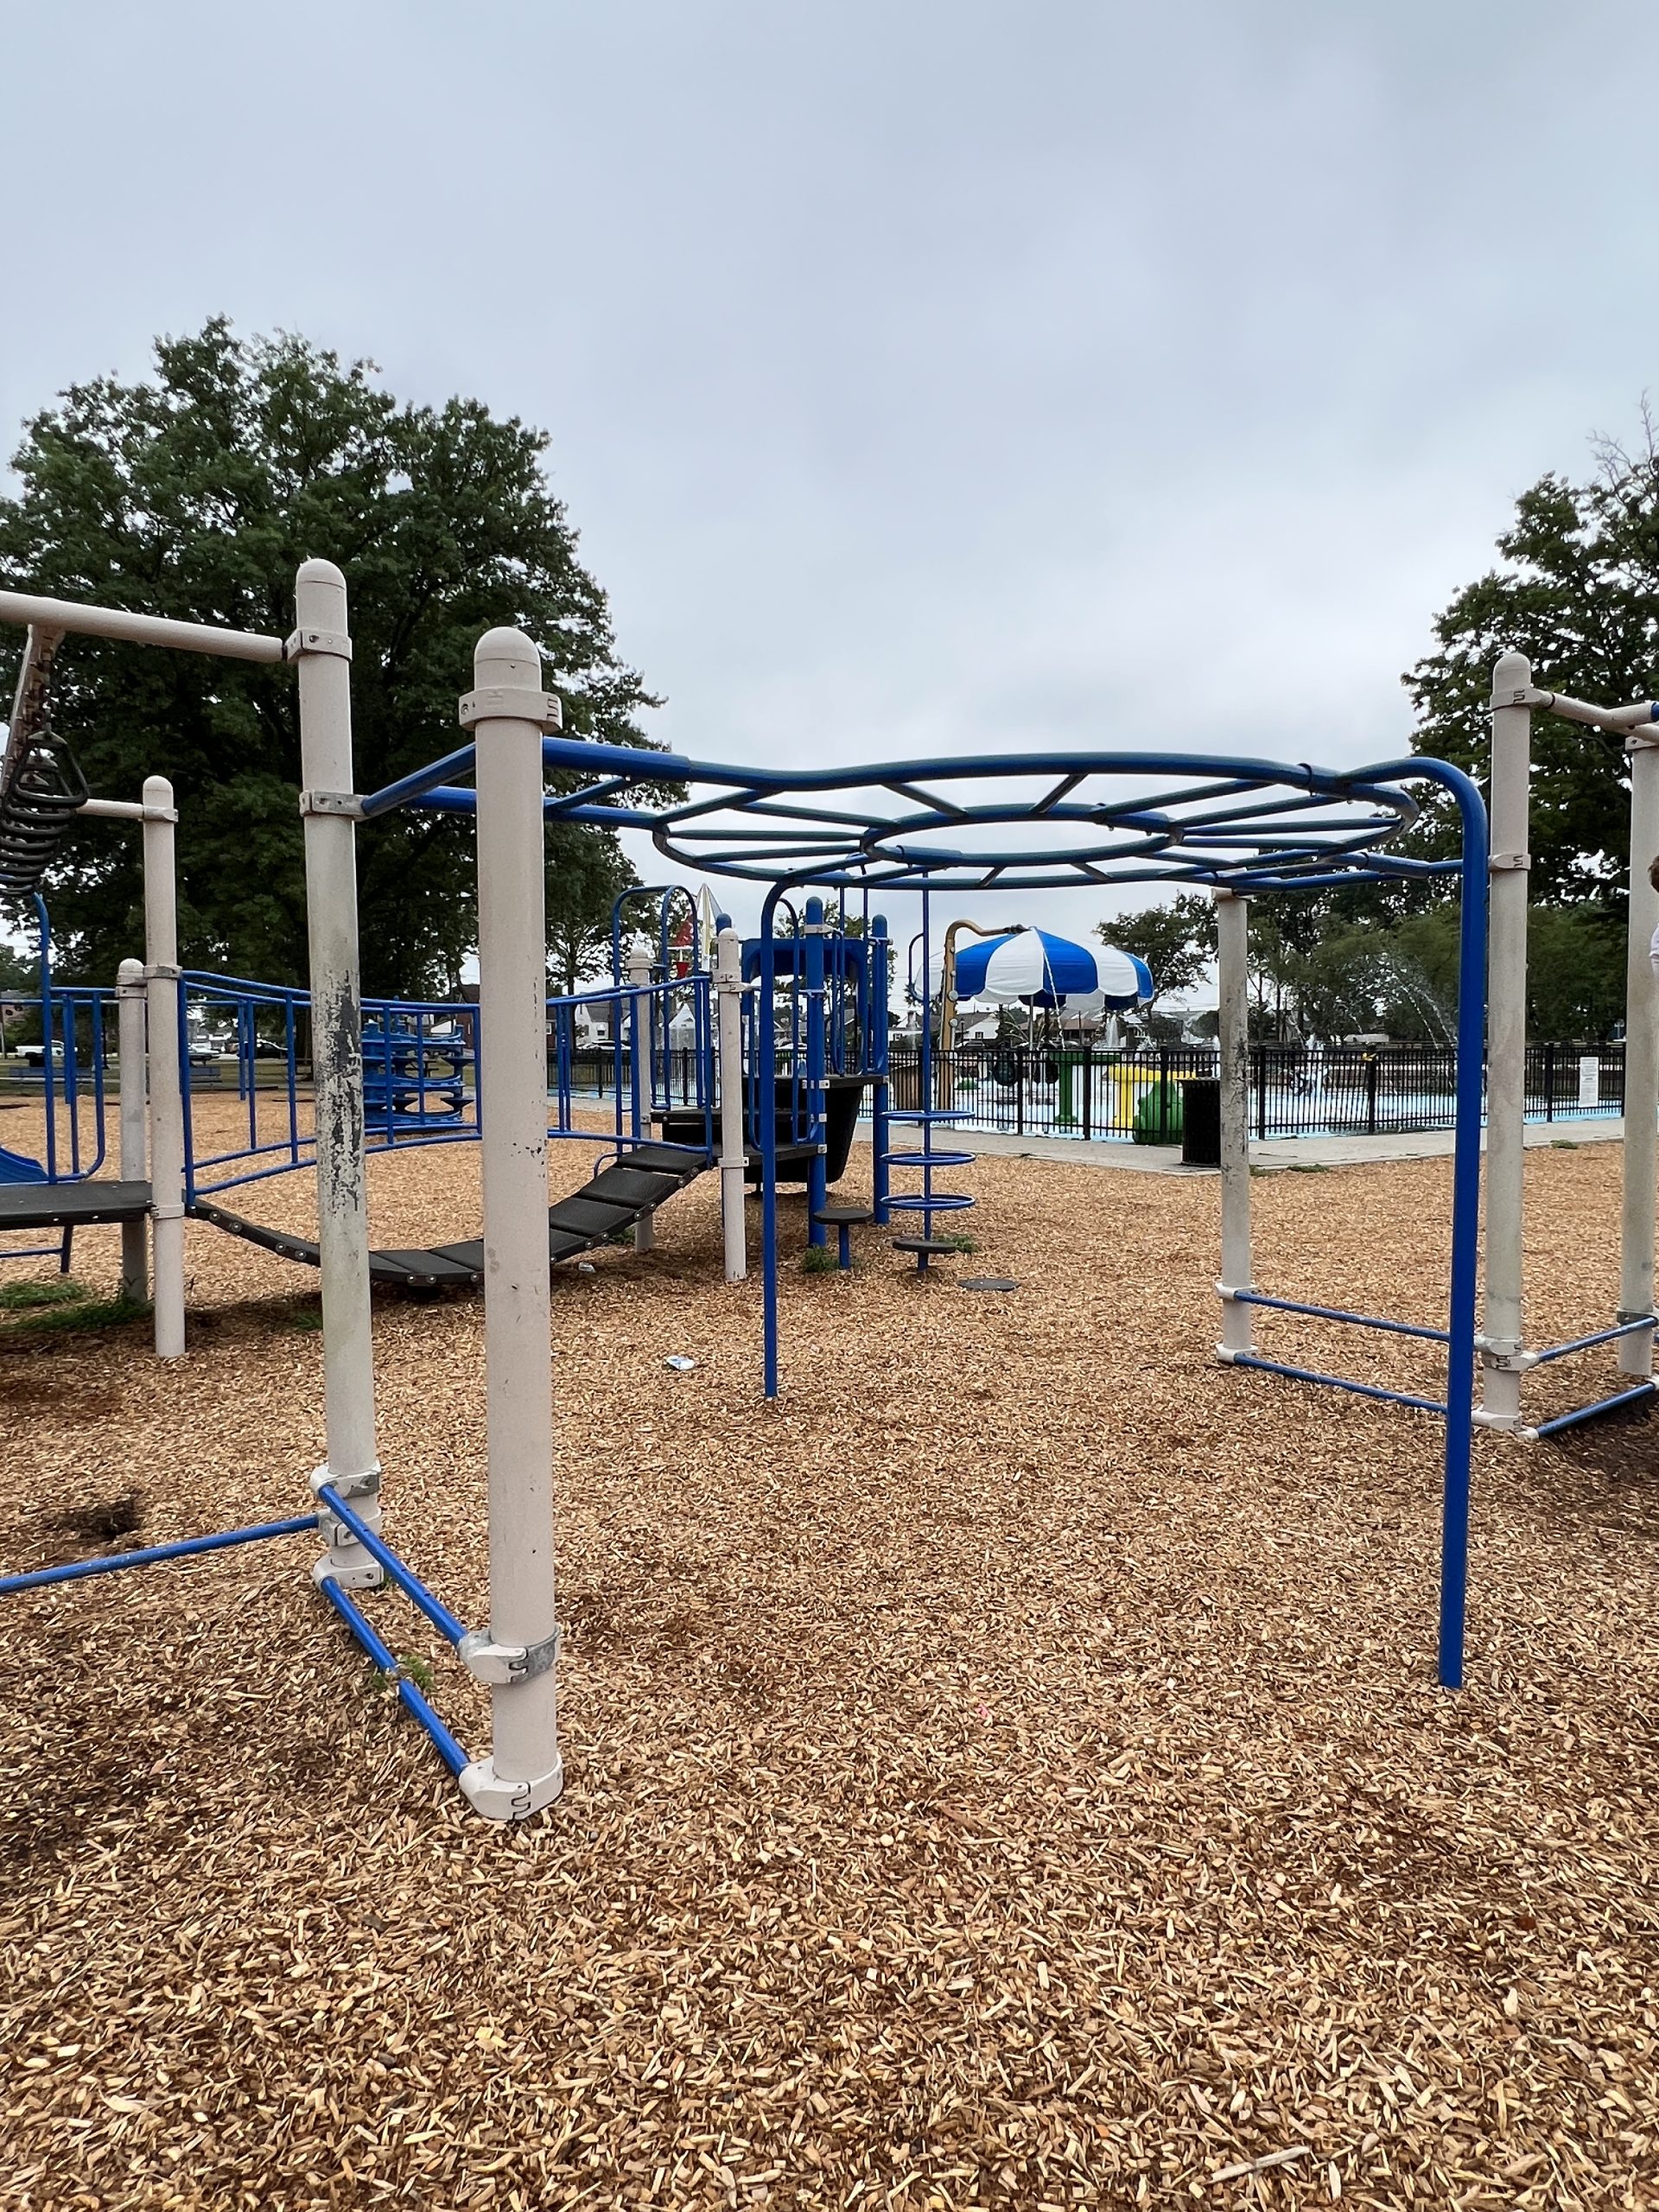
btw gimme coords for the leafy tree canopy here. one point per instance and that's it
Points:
(1177, 942)
(1579, 595)
(196, 494)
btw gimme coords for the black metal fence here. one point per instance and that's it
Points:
(1295, 1090)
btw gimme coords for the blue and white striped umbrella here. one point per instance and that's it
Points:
(1038, 969)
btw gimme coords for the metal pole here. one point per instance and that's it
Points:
(165, 1049)
(1465, 1227)
(811, 952)
(1232, 940)
(1502, 1363)
(728, 993)
(130, 993)
(767, 1133)
(876, 1054)
(323, 649)
(1641, 1060)
(137, 629)
(507, 710)
(640, 1067)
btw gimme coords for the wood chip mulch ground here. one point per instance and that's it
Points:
(1007, 1773)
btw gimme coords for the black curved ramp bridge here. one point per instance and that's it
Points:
(613, 1200)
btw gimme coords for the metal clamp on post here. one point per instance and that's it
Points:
(346, 1486)
(1505, 1356)
(317, 641)
(163, 971)
(505, 1664)
(512, 702)
(345, 1560)
(345, 803)
(1501, 862)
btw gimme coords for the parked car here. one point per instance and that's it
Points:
(34, 1056)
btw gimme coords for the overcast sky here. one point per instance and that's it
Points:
(921, 377)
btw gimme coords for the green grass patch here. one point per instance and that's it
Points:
(411, 1667)
(305, 1318)
(1563, 1144)
(93, 1313)
(57, 1290)
(819, 1259)
(959, 1242)
(1310, 1167)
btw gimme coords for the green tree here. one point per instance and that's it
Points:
(586, 874)
(1177, 942)
(196, 494)
(1577, 593)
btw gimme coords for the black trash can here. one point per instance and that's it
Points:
(1201, 1121)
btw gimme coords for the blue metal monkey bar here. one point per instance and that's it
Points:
(1049, 820)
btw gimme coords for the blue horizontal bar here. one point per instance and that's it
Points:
(1339, 1382)
(406, 1577)
(409, 1696)
(417, 784)
(1337, 1313)
(1601, 1406)
(185, 1548)
(571, 806)
(1583, 1344)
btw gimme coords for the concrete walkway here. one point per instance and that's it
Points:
(1286, 1153)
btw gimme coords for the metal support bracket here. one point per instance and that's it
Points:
(346, 1486)
(1642, 741)
(1500, 861)
(345, 803)
(513, 703)
(1506, 1355)
(504, 1664)
(317, 641)
(163, 971)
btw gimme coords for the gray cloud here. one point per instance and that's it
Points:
(922, 377)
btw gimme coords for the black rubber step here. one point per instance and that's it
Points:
(666, 1160)
(616, 1198)
(833, 1217)
(69, 1206)
(469, 1256)
(591, 1217)
(427, 1269)
(934, 1246)
(631, 1186)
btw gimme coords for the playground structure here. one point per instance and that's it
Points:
(41, 794)
(967, 825)
(1505, 1357)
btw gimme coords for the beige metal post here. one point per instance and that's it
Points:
(1503, 1360)
(323, 647)
(166, 1045)
(1232, 964)
(1641, 1060)
(507, 711)
(130, 993)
